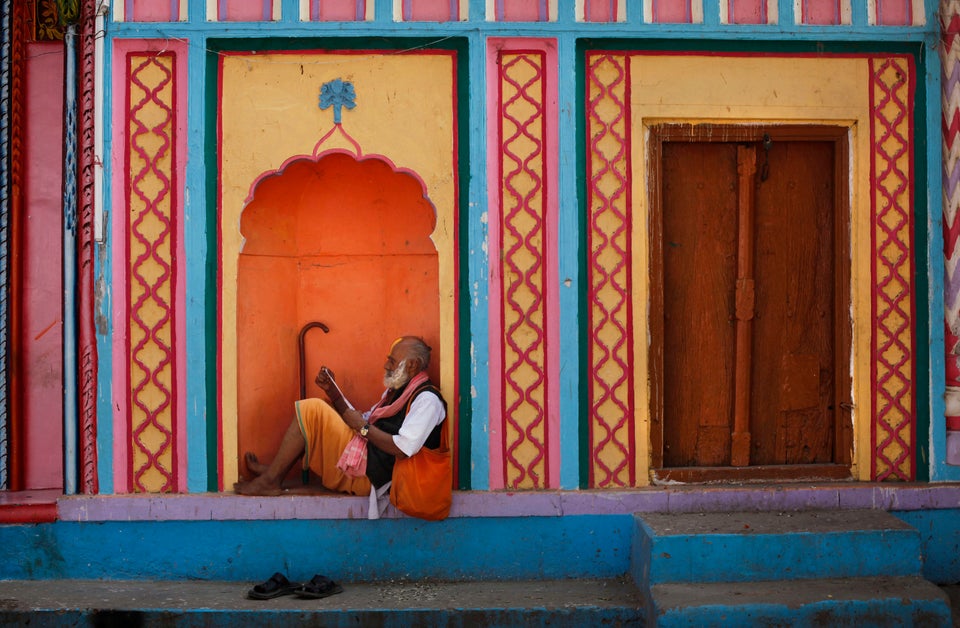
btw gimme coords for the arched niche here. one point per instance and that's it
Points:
(345, 242)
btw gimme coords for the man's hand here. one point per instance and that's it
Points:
(325, 381)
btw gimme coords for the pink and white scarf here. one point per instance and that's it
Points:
(353, 460)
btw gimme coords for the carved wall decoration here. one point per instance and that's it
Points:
(6, 61)
(46, 21)
(893, 342)
(523, 245)
(151, 241)
(86, 242)
(612, 456)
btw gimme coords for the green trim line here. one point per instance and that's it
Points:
(211, 291)
(582, 257)
(921, 321)
(464, 215)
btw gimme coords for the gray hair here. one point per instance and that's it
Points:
(418, 350)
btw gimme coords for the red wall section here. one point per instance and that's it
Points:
(41, 341)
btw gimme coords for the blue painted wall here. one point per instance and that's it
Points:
(582, 546)
(348, 550)
(940, 542)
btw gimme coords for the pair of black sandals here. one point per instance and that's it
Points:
(277, 585)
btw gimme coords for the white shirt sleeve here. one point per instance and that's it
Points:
(425, 413)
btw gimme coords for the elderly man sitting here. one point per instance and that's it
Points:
(333, 437)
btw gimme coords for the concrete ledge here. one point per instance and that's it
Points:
(231, 507)
(574, 603)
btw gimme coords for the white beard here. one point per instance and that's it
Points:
(397, 378)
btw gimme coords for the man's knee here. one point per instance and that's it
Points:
(315, 412)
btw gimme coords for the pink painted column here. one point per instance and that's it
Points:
(524, 422)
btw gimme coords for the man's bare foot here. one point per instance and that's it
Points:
(253, 464)
(257, 486)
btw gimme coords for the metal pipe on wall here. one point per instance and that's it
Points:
(70, 413)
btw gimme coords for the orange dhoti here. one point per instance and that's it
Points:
(325, 437)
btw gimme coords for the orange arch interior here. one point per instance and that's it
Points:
(339, 241)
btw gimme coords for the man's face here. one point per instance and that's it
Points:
(395, 368)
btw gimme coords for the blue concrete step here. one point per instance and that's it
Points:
(875, 602)
(758, 546)
(809, 568)
(573, 603)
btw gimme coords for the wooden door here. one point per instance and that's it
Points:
(750, 324)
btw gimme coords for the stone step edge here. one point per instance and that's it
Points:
(189, 596)
(796, 593)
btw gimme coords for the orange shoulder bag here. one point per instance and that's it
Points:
(423, 483)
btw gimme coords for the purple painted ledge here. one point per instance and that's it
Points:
(229, 507)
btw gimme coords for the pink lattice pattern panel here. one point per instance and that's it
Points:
(893, 341)
(150, 244)
(523, 242)
(612, 457)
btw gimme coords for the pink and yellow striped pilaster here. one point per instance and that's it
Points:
(149, 433)
(524, 423)
(612, 452)
(893, 343)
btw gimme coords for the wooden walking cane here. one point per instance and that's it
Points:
(305, 474)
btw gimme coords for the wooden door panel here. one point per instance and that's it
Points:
(793, 328)
(699, 247)
(793, 302)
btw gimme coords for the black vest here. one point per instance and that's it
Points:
(380, 463)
